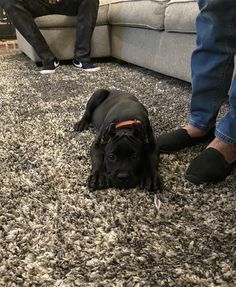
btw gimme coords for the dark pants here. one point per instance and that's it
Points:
(22, 13)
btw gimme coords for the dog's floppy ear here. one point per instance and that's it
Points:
(110, 132)
(139, 133)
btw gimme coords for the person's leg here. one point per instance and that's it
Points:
(86, 12)
(22, 14)
(226, 128)
(86, 21)
(212, 68)
(212, 61)
(225, 141)
(219, 158)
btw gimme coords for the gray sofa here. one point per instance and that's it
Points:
(155, 34)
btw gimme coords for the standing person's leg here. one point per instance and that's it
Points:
(226, 128)
(212, 70)
(22, 14)
(219, 158)
(213, 64)
(212, 61)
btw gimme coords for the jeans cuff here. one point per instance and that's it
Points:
(225, 138)
(198, 126)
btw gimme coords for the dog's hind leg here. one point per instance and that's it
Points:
(96, 99)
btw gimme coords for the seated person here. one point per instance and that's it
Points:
(22, 13)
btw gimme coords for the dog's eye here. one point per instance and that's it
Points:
(111, 157)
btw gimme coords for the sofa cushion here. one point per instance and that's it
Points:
(138, 13)
(180, 16)
(57, 21)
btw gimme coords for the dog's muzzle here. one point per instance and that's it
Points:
(123, 180)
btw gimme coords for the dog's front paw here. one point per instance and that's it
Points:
(97, 180)
(81, 125)
(152, 182)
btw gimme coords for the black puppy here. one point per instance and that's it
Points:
(124, 153)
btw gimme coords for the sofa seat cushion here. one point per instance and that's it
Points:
(62, 21)
(147, 14)
(180, 16)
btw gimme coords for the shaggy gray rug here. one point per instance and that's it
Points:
(55, 232)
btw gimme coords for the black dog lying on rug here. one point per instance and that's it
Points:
(124, 153)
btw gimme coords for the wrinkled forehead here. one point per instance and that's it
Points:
(123, 146)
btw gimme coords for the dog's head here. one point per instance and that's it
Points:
(124, 155)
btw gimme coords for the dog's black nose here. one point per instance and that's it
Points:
(122, 175)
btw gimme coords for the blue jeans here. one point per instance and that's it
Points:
(212, 68)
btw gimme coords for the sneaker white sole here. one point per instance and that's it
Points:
(79, 67)
(47, 72)
(91, 70)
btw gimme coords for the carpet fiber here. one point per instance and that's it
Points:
(55, 232)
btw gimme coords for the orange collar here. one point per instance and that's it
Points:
(127, 123)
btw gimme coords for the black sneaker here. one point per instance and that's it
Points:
(85, 66)
(49, 67)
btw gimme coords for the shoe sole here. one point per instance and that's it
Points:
(48, 72)
(197, 181)
(210, 176)
(86, 70)
(194, 179)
